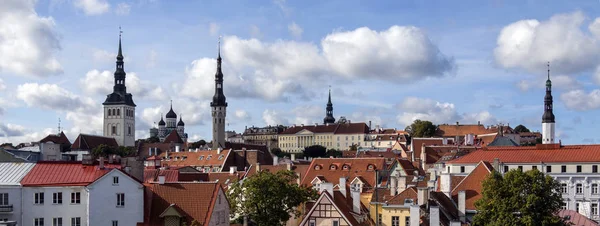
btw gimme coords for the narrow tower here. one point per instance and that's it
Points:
(119, 108)
(219, 107)
(329, 119)
(548, 117)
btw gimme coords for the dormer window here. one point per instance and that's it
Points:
(201, 157)
(346, 167)
(208, 157)
(332, 167)
(317, 167)
(221, 157)
(370, 167)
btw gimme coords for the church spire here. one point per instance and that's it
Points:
(548, 114)
(119, 86)
(329, 111)
(219, 97)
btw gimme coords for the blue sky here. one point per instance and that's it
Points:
(388, 62)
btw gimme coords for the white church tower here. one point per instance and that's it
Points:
(119, 108)
(219, 108)
(548, 127)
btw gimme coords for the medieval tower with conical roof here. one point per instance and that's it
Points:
(219, 107)
(119, 108)
(548, 117)
(329, 119)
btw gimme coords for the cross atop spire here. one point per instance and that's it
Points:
(120, 55)
(548, 70)
(219, 57)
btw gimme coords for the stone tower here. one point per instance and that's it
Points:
(329, 119)
(219, 107)
(119, 108)
(548, 129)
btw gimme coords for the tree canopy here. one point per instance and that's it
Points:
(519, 198)
(334, 153)
(315, 151)
(521, 129)
(268, 198)
(421, 129)
(104, 150)
(197, 144)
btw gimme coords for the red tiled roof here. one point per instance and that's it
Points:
(417, 144)
(358, 168)
(533, 154)
(58, 173)
(409, 193)
(461, 130)
(195, 159)
(373, 154)
(57, 139)
(89, 142)
(173, 137)
(471, 184)
(576, 218)
(151, 175)
(195, 200)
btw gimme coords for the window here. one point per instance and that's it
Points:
(380, 219)
(563, 188)
(336, 223)
(109, 112)
(4, 199)
(563, 205)
(208, 157)
(407, 220)
(115, 180)
(594, 168)
(332, 167)
(129, 130)
(563, 169)
(201, 157)
(506, 169)
(115, 223)
(118, 111)
(594, 188)
(312, 223)
(38, 222)
(75, 197)
(57, 221)
(520, 168)
(76, 221)
(534, 167)
(578, 189)
(395, 221)
(462, 169)
(38, 198)
(57, 198)
(579, 169)
(548, 169)
(114, 130)
(594, 209)
(120, 199)
(577, 206)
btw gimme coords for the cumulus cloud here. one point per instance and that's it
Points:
(242, 115)
(295, 30)
(92, 7)
(123, 8)
(272, 117)
(2, 85)
(580, 100)
(213, 29)
(560, 82)
(28, 42)
(11, 130)
(15, 134)
(530, 44)
(53, 97)
(438, 112)
(101, 83)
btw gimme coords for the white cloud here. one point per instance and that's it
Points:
(53, 97)
(123, 8)
(29, 42)
(308, 114)
(596, 76)
(530, 44)
(213, 29)
(560, 82)
(255, 32)
(2, 85)
(438, 112)
(11, 130)
(399, 53)
(242, 115)
(92, 7)
(595, 28)
(295, 30)
(272, 118)
(101, 83)
(152, 58)
(579, 100)
(192, 114)
(16, 134)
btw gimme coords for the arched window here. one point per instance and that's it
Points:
(317, 167)
(118, 112)
(332, 167)
(346, 167)
(109, 113)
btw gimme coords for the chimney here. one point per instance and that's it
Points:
(111, 159)
(343, 186)
(161, 179)
(461, 205)
(457, 123)
(393, 185)
(327, 187)
(293, 157)
(478, 123)
(275, 160)
(496, 164)
(415, 215)
(445, 183)
(101, 163)
(355, 193)
(232, 169)
(401, 184)
(422, 195)
(177, 148)
(434, 216)
(288, 166)
(370, 125)
(219, 150)
(257, 167)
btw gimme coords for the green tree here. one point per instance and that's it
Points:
(354, 147)
(197, 144)
(268, 199)
(519, 198)
(334, 153)
(104, 150)
(153, 140)
(421, 129)
(521, 129)
(315, 151)
(277, 152)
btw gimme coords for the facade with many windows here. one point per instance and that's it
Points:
(332, 136)
(10, 191)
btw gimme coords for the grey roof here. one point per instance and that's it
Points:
(502, 141)
(6, 156)
(11, 173)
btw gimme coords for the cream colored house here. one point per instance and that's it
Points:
(331, 136)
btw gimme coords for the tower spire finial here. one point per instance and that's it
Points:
(548, 70)
(219, 47)
(59, 126)
(120, 51)
(171, 104)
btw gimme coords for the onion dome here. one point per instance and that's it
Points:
(180, 123)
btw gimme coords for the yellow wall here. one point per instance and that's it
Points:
(387, 213)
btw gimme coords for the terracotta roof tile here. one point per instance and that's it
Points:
(57, 173)
(89, 142)
(576, 218)
(358, 168)
(471, 184)
(533, 154)
(173, 137)
(195, 159)
(399, 199)
(461, 130)
(417, 143)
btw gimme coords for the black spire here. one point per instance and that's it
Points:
(548, 116)
(171, 113)
(329, 111)
(161, 122)
(219, 99)
(119, 95)
(180, 123)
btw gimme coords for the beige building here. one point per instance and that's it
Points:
(331, 136)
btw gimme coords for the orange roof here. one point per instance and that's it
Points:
(399, 199)
(58, 173)
(358, 167)
(461, 130)
(300, 169)
(194, 200)
(471, 184)
(533, 154)
(417, 144)
(173, 137)
(195, 159)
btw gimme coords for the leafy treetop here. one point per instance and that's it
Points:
(421, 129)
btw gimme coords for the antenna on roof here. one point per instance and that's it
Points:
(58, 126)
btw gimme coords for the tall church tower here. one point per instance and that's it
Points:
(548, 117)
(219, 107)
(329, 119)
(119, 108)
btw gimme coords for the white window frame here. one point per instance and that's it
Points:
(120, 199)
(4, 199)
(579, 189)
(57, 221)
(38, 221)
(57, 198)
(75, 221)
(115, 180)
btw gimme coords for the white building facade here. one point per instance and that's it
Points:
(11, 192)
(115, 199)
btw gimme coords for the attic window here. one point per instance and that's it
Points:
(221, 157)
(370, 167)
(346, 167)
(332, 167)
(317, 167)
(201, 157)
(208, 157)
(408, 201)
(184, 158)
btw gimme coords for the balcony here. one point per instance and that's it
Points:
(6, 208)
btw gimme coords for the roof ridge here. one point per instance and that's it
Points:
(466, 177)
